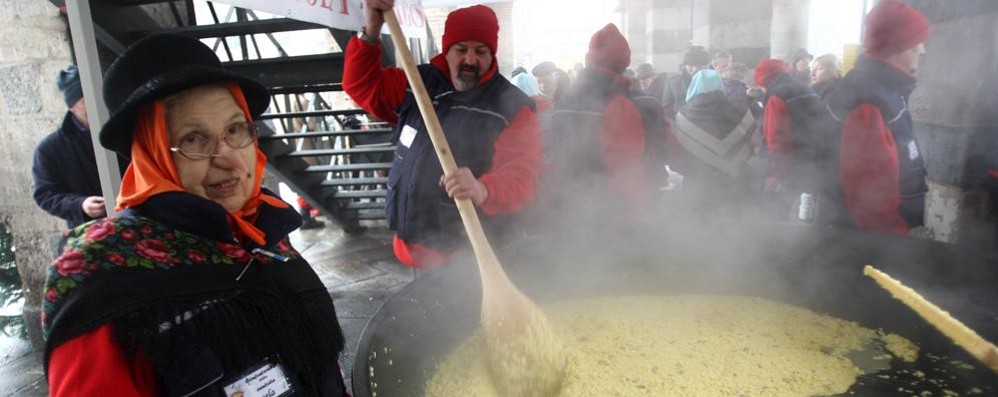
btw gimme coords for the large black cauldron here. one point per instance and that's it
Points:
(820, 269)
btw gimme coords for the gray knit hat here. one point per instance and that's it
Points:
(69, 85)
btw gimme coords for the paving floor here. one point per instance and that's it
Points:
(359, 271)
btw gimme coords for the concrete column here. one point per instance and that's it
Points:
(955, 119)
(36, 47)
(635, 28)
(789, 29)
(659, 31)
(505, 52)
(740, 27)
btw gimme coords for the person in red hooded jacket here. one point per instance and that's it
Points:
(490, 125)
(597, 136)
(880, 165)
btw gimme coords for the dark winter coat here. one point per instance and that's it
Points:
(674, 96)
(880, 163)
(824, 89)
(65, 172)
(418, 210)
(170, 303)
(715, 134)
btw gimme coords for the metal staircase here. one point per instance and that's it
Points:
(324, 149)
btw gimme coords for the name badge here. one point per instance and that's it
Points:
(267, 380)
(912, 150)
(408, 135)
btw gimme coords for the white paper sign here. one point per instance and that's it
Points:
(265, 381)
(408, 135)
(340, 14)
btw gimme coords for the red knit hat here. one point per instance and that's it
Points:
(609, 49)
(767, 70)
(893, 26)
(475, 23)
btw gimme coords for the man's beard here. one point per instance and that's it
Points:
(464, 81)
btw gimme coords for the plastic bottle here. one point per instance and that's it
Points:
(805, 212)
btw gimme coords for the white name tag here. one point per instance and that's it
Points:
(912, 150)
(408, 134)
(267, 380)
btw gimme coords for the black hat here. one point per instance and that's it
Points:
(646, 70)
(800, 53)
(696, 56)
(543, 69)
(159, 66)
(69, 85)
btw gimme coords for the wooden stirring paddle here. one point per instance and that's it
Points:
(984, 351)
(525, 357)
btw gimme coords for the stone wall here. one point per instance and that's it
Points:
(955, 120)
(36, 46)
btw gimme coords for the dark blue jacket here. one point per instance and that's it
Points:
(65, 172)
(874, 82)
(814, 135)
(417, 208)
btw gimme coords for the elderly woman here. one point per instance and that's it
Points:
(826, 72)
(715, 134)
(193, 289)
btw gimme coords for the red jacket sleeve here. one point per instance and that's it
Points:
(92, 364)
(869, 171)
(512, 181)
(623, 143)
(779, 141)
(378, 90)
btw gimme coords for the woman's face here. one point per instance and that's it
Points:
(820, 74)
(227, 178)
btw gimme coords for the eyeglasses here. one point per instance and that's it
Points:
(199, 145)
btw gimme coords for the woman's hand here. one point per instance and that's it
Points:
(462, 184)
(372, 27)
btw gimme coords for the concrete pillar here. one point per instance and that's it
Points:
(658, 31)
(789, 29)
(504, 12)
(742, 28)
(955, 119)
(36, 47)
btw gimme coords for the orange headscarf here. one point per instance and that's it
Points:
(152, 170)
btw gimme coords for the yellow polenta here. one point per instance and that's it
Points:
(684, 346)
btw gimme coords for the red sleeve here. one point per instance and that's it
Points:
(623, 143)
(869, 170)
(512, 181)
(92, 365)
(378, 90)
(779, 141)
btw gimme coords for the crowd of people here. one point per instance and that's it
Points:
(787, 138)
(132, 306)
(753, 140)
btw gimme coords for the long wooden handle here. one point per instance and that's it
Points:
(488, 263)
(977, 346)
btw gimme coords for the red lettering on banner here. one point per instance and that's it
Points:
(312, 2)
(344, 10)
(328, 6)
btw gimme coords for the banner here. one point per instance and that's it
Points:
(339, 14)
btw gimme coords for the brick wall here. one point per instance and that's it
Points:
(36, 46)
